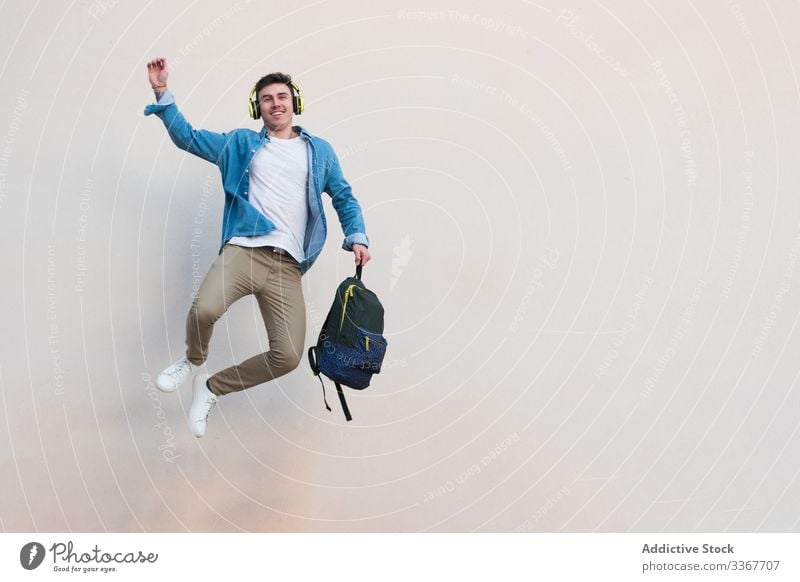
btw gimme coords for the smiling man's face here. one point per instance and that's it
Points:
(275, 101)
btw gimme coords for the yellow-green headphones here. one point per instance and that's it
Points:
(297, 101)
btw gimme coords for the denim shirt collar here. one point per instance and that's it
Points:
(303, 133)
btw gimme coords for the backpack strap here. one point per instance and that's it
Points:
(314, 368)
(358, 272)
(312, 360)
(345, 409)
(325, 400)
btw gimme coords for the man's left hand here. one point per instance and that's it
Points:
(362, 254)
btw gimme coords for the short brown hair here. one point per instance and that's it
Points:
(274, 78)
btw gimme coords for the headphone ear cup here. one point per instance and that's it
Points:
(297, 99)
(253, 105)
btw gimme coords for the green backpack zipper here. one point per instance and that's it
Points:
(348, 293)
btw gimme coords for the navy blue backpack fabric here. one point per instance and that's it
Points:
(351, 347)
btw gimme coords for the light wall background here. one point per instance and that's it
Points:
(585, 227)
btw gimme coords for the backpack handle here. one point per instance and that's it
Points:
(358, 271)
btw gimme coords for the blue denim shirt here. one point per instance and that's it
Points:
(232, 153)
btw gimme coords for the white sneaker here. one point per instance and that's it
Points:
(173, 377)
(203, 401)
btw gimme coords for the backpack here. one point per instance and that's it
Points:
(351, 346)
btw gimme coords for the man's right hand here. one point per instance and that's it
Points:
(158, 72)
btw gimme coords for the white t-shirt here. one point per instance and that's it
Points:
(278, 174)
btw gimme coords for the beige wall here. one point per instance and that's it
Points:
(585, 232)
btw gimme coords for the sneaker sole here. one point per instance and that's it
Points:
(198, 384)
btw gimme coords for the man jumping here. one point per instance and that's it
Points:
(273, 229)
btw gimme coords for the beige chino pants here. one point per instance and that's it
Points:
(274, 279)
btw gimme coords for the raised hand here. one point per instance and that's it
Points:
(158, 72)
